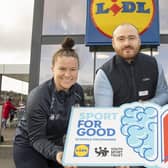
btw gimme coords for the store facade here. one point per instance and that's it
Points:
(56, 19)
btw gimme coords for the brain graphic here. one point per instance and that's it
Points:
(140, 127)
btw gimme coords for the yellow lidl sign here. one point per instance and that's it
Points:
(137, 12)
(103, 16)
(81, 150)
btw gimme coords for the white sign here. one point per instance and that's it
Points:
(134, 134)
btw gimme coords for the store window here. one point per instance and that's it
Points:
(163, 17)
(162, 58)
(69, 17)
(64, 17)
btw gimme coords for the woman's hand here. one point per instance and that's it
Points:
(59, 157)
(59, 160)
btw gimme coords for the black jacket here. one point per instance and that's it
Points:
(132, 81)
(46, 118)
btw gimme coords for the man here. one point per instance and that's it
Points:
(129, 76)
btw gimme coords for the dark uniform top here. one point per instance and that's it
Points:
(45, 122)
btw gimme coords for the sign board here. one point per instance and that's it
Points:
(134, 134)
(104, 15)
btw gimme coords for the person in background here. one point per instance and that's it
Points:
(20, 111)
(39, 140)
(11, 115)
(129, 76)
(7, 108)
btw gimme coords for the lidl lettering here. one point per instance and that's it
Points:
(127, 7)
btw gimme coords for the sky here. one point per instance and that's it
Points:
(15, 31)
(15, 34)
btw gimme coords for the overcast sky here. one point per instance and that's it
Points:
(15, 31)
(15, 38)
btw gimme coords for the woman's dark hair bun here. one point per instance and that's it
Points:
(68, 43)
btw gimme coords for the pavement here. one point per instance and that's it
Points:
(6, 148)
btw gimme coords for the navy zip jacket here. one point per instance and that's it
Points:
(45, 122)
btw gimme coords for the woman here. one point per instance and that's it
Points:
(40, 135)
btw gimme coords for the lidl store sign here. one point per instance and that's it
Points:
(134, 134)
(104, 15)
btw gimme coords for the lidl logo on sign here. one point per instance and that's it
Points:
(107, 14)
(81, 150)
